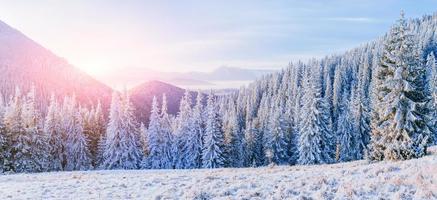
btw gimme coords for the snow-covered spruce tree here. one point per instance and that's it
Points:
(360, 113)
(347, 133)
(185, 134)
(159, 140)
(123, 150)
(279, 136)
(155, 140)
(144, 141)
(402, 111)
(249, 145)
(26, 150)
(190, 130)
(17, 155)
(94, 127)
(293, 107)
(101, 147)
(431, 66)
(212, 153)
(133, 154)
(3, 136)
(76, 149)
(258, 147)
(198, 130)
(33, 127)
(52, 128)
(315, 141)
(337, 91)
(169, 151)
(233, 139)
(99, 128)
(263, 122)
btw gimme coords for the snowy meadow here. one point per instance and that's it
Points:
(412, 179)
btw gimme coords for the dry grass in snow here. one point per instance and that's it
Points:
(413, 179)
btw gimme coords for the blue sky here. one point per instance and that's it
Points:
(110, 37)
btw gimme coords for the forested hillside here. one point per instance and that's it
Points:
(26, 64)
(376, 101)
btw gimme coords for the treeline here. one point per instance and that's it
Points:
(376, 102)
(66, 139)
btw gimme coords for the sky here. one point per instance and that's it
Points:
(109, 37)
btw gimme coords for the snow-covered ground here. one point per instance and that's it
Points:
(413, 179)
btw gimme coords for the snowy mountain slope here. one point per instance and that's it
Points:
(412, 179)
(24, 62)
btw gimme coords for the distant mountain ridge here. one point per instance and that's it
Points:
(228, 73)
(136, 76)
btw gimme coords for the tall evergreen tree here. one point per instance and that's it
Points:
(315, 132)
(431, 66)
(185, 133)
(94, 128)
(402, 113)
(212, 153)
(3, 136)
(144, 140)
(133, 154)
(32, 123)
(155, 140)
(76, 149)
(347, 133)
(279, 136)
(99, 125)
(123, 150)
(233, 139)
(18, 152)
(198, 130)
(360, 116)
(169, 151)
(52, 128)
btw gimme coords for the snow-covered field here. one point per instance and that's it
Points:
(413, 179)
